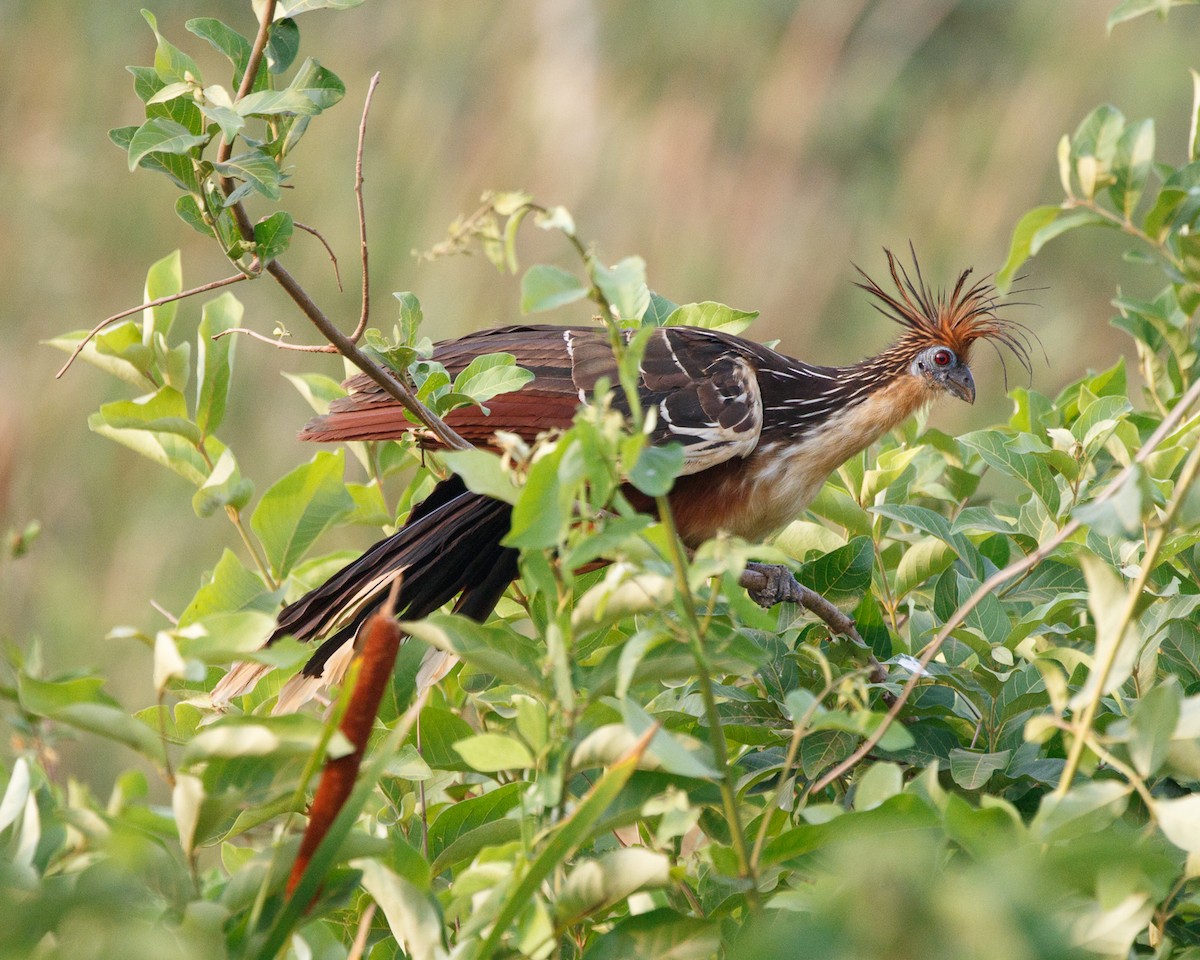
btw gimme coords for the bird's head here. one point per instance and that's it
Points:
(940, 329)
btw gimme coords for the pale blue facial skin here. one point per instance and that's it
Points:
(942, 367)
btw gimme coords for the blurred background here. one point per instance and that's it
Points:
(749, 151)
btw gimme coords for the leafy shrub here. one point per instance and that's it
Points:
(638, 760)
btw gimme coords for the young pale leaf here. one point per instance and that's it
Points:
(1084, 811)
(1152, 726)
(714, 316)
(1131, 165)
(544, 287)
(163, 279)
(225, 487)
(1019, 249)
(214, 359)
(482, 473)
(1117, 637)
(1179, 818)
(594, 884)
(170, 63)
(299, 508)
(413, 915)
(493, 752)
(293, 8)
(623, 286)
(164, 411)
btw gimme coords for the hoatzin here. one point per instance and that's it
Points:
(760, 434)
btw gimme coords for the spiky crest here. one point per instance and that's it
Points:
(956, 320)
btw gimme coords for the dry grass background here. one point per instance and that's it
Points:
(749, 151)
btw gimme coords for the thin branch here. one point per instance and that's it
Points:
(204, 288)
(996, 580)
(252, 64)
(391, 385)
(362, 213)
(275, 342)
(337, 274)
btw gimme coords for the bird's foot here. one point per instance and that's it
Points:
(772, 583)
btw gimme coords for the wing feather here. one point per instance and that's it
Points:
(702, 387)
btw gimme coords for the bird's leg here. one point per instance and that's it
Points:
(772, 583)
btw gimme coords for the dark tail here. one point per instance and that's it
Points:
(449, 547)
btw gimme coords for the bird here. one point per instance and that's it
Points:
(760, 433)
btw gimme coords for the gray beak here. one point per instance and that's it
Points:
(960, 383)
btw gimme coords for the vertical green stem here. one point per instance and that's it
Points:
(704, 677)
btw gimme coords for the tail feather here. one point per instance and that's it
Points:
(449, 546)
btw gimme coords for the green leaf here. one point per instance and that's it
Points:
(493, 752)
(714, 316)
(1084, 811)
(1179, 818)
(1132, 161)
(490, 375)
(656, 468)
(1152, 726)
(163, 279)
(921, 563)
(1130, 9)
(459, 819)
(482, 473)
(189, 211)
(299, 508)
(659, 310)
(214, 359)
(609, 879)
(568, 836)
(163, 411)
(493, 648)
(972, 770)
(224, 487)
(1108, 599)
(999, 451)
(282, 45)
(273, 235)
(623, 286)
(256, 170)
(170, 63)
(293, 8)
(544, 287)
(230, 588)
(224, 40)
(413, 915)
(411, 317)
(842, 576)
(159, 135)
(1019, 249)
(168, 449)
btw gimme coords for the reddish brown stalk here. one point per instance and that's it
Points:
(338, 778)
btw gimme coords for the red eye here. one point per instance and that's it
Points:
(943, 357)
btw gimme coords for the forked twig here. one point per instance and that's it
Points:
(337, 273)
(275, 342)
(362, 213)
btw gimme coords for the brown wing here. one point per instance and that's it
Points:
(701, 386)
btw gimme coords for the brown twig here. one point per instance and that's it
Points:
(276, 342)
(337, 273)
(362, 213)
(378, 657)
(257, 51)
(203, 288)
(996, 580)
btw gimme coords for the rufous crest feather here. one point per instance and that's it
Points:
(955, 319)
